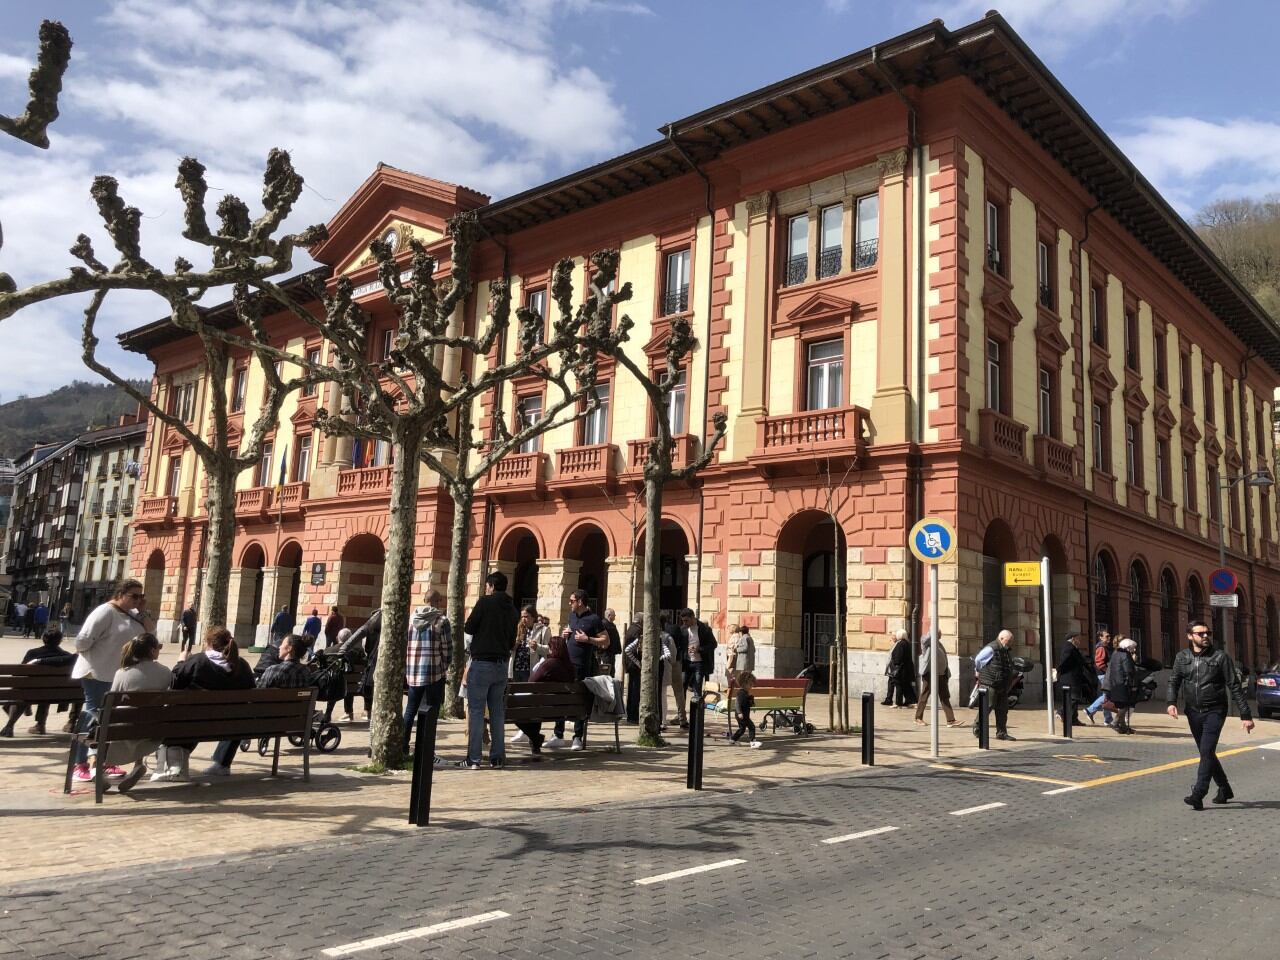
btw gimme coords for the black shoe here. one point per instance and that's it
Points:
(1195, 803)
(886, 703)
(535, 746)
(1092, 721)
(1005, 736)
(1223, 795)
(498, 762)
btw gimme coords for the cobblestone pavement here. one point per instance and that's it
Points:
(1118, 868)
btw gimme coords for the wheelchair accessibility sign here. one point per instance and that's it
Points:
(932, 540)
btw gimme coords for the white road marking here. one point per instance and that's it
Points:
(689, 871)
(859, 836)
(416, 934)
(968, 810)
(1054, 793)
(1271, 746)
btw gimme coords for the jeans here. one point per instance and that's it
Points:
(95, 691)
(486, 686)
(675, 675)
(432, 694)
(1206, 727)
(744, 726)
(580, 672)
(225, 752)
(1097, 704)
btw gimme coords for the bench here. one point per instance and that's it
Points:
(34, 685)
(180, 717)
(548, 702)
(777, 698)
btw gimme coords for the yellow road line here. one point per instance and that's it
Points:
(1132, 774)
(1002, 773)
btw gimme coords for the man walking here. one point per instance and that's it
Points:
(492, 625)
(697, 650)
(928, 647)
(1205, 677)
(585, 635)
(282, 625)
(1101, 660)
(426, 661)
(188, 622)
(900, 691)
(997, 676)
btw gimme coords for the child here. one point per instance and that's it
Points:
(742, 708)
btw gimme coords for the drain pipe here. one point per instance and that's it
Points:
(706, 348)
(915, 464)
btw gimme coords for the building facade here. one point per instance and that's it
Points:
(922, 281)
(40, 546)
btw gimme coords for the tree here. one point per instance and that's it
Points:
(658, 472)
(1245, 234)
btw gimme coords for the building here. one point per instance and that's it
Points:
(48, 485)
(923, 282)
(113, 464)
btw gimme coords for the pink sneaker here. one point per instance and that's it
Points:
(82, 774)
(115, 773)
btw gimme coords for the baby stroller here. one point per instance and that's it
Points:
(328, 674)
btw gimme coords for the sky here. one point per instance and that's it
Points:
(502, 95)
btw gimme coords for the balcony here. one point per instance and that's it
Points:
(102, 471)
(865, 254)
(293, 497)
(519, 475)
(797, 270)
(675, 300)
(638, 452)
(1054, 459)
(122, 544)
(91, 547)
(113, 507)
(96, 508)
(117, 470)
(106, 545)
(252, 504)
(587, 468)
(1002, 435)
(126, 508)
(365, 482)
(811, 441)
(829, 262)
(157, 511)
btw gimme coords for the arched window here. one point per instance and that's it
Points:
(1138, 608)
(1195, 600)
(1103, 611)
(1168, 617)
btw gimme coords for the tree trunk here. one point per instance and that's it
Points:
(459, 542)
(219, 541)
(650, 677)
(386, 731)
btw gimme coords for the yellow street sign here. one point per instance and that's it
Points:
(1022, 574)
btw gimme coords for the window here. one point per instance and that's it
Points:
(1162, 469)
(1133, 453)
(175, 477)
(1208, 396)
(182, 401)
(387, 336)
(1101, 438)
(1215, 502)
(831, 231)
(1048, 406)
(1228, 407)
(995, 375)
(676, 404)
(302, 459)
(1233, 504)
(866, 243)
(529, 412)
(1184, 374)
(264, 465)
(313, 356)
(1098, 315)
(1044, 273)
(595, 425)
(825, 375)
(1188, 481)
(1131, 340)
(675, 292)
(535, 301)
(994, 260)
(239, 384)
(1264, 512)
(797, 269)
(1162, 372)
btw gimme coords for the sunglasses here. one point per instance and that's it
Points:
(1202, 633)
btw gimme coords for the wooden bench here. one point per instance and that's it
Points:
(33, 685)
(549, 702)
(180, 717)
(777, 698)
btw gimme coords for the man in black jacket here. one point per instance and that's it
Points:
(997, 676)
(696, 650)
(1205, 677)
(492, 626)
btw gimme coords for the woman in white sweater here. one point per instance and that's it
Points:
(138, 671)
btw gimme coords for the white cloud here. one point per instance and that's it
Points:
(478, 92)
(1193, 161)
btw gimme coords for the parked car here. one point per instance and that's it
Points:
(1267, 691)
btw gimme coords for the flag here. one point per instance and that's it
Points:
(357, 452)
(284, 459)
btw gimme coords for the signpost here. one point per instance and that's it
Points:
(317, 574)
(933, 541)
(1035, 573)
(1224, 600)
(1020, 574)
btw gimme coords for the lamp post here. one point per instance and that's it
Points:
(1260, 479)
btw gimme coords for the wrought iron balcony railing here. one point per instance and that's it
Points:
(865, 254)
(829, 262)
(797, 270)
(675, 300)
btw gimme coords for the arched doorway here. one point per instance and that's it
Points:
(1273, 633)
(1195, 599)
(1138, 608)
(590, 547)
(1242, 649)
(360, 577)
(1060, 590)
(811, 551)
(254, 560)
(1104, 579)
(1168, 617)
(518, 556)
(998, 548)
(289, 565)
(152, 580)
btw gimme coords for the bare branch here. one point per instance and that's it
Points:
(43, 85)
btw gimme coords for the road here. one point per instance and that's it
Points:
(1005, 856)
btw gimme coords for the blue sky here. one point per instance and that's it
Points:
(504, 94)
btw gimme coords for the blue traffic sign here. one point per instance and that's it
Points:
(1223, 580)
(932, 540)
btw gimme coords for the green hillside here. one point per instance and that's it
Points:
(61, 415)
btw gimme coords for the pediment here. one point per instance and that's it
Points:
(305, 415)
(997, 299)
(1047, 332)
(1190, 432)
(822, 306)
(395, 231)
(1165, 417)
(1233, 460)
(1212, 446)
(1134, 397)
(657, 344)
(1100, 376)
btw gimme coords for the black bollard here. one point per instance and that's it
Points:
(868, 729)
(984, 733)
(691, 765)
(700, 712)
(1066, 712)
(424, 761)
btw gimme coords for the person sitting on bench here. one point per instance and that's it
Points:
(555, 668)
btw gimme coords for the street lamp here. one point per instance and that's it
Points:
(1258, 478)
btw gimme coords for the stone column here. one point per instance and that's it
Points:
(755, 339)
(556, 580)
(891, 403)
(240, 606)
(277, 583)
(627, 597)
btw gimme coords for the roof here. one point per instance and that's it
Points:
(991, 55)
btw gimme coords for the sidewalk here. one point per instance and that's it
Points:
(46, 834)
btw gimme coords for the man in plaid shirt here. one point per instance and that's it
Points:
(427, 660)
